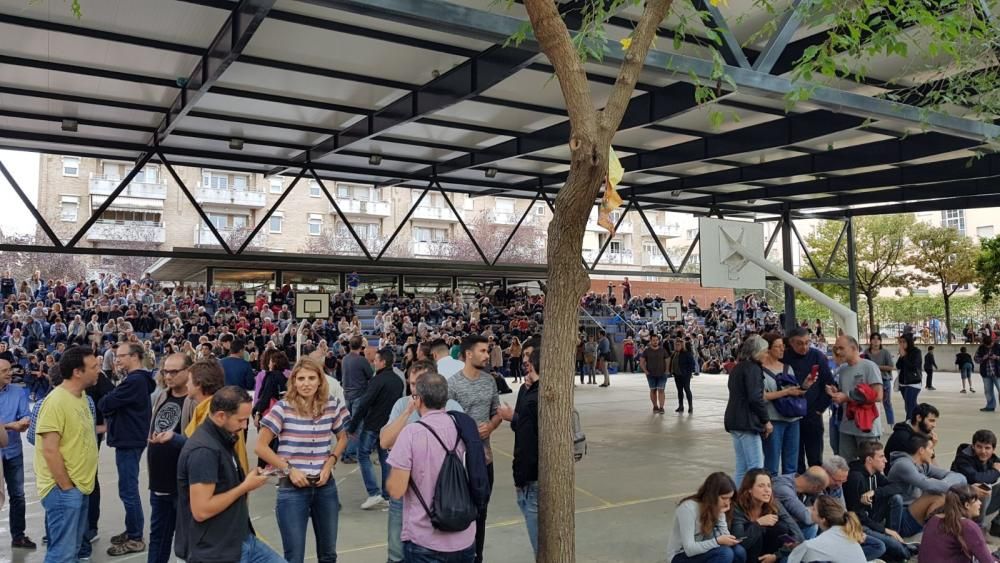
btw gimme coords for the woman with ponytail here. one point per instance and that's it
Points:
(840, 538)
(953, 536)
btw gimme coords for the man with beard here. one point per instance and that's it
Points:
(923, 420)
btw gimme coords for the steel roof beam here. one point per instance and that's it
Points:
(970, 202)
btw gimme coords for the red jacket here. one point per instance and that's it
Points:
(865, 411)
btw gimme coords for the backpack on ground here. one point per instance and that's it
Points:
(452, 508)
(579, 438)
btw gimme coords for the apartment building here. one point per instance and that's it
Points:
(153, 212)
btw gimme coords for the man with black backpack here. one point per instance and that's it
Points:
(442, 498)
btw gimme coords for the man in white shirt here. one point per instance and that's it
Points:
(446, 365)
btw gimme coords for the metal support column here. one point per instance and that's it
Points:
(852, 268)
(279, 281)
(787, 260)
(209, 276)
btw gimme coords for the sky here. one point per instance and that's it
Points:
(14, 217)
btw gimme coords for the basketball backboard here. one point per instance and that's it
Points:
(312, 305)
(721, 266)
(672, 312)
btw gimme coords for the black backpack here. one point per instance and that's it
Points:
(452, 509)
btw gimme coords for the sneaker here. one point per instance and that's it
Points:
(95, 538)
(962, 391)
(373, 502)
(130, 546)
(679, 409)
(119, 539)
(23, 542)
(971, 390)
(984, 409)
(929, 388)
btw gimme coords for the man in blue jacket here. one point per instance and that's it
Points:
(803, 359)
(128, 410)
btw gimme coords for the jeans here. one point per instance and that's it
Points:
(966, 370)
(13, 475)
(890, 416)
(527, 501)
(781, 448)
(294, 508)
(872, 547)
(94, 512)
(992, 385)
(749, 453)
(903, 522)
(930, 377)
(721, 554)
(256, 551)
(162, 522)
(65, 524)
(367, 443)
(481, 521)
(127, 461)
(395, 542)
(810, 441)
(894, 550)
(910, 395)
(416, 554)
(352, 443)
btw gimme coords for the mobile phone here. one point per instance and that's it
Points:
(741, 538)
(270, 471)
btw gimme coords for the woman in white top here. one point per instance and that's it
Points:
(840, 539)
(701, 525)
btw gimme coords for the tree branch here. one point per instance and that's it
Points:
(553, 37)
(642, 39)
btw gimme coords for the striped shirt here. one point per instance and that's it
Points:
(305, 442)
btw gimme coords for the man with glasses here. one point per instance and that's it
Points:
(128, 411)
(14, 416)
(806, 361)
(171, 412)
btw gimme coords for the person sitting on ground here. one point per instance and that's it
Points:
(953, 536)
(765, 526)
(701, 529)
(796, 492)
(924, 484)
(980, 465)
(870, 496)
(922, 420)
(841, 538)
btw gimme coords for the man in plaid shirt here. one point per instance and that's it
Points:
(988, 358)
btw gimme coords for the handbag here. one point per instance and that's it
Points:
(789, 406)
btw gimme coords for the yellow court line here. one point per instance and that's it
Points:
(603, 501)
(506, 523)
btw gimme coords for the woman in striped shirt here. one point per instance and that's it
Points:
(303, 423)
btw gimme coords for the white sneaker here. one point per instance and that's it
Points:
(372, 502)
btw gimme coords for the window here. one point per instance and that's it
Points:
(538, 209)
(239, 222)
(277, 184)
(469, 204)
(504, 205)
(71, 166)
(275, 223)
(954, 218)
(984, 232)
(240, 183)
(214, 180)
(69, 208)
(149, 175)
(615, 247)
(650, 249)
(220, 221)
(427, 234)
(112, 170)
(314, 190)
(315, 224)
(691, 233)
(363, 193)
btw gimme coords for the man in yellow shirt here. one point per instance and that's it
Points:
(66, 457)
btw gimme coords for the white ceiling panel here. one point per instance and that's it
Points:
(480, 175)
(223, 147)
(699, 119)
(49, 148)
(399, 149)
(534, 87)
(91, 86)
(243, 130)
(388, 166)
(84, 131)
(275, 111)
(649, 139)
(494, 115)
(77, 110)
(533, 166)
(446, 135)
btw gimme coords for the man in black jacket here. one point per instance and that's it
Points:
(804, 361)
(923, 419)
(523, 419)
(869, 495)
(373, 408)
(980, 464)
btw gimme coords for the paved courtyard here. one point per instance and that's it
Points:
(638, 467)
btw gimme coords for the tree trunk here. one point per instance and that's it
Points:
(567, 282)
(947, 314)
(871, 313)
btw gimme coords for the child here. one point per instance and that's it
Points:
(929, 366)
(964, 362)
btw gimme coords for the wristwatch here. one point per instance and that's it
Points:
(287, 469)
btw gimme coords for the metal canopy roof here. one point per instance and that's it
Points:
(430, 87)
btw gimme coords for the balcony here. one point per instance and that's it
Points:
(227, 196)
(345, 244)
(672, 230)
(625, 227)
(654, 259)
(234, 237)
(509, 218)
(429, 213)
(363, 207)
(141, 232)
(622, 257)
(431, 248)
(102, 185)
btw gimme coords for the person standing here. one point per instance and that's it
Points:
(653, 363)
(475, 390)
(165, 442)
(66, 455)
(965, 366)
(883, 359)
(446, 365)
(373, 411)
(523, 419)
(682, 367)
(988, 358)
(14, 416)
(781, 448)
(213, 522)
(303, 422)
(128, 412)
(626, 291)
(356, 372)
(808, 362)
(238, 371)
(205, 379)
(929, 366)
(604, 356)
(856, 427)
(910, 377)
(746, 417)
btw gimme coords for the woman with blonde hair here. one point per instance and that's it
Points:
(840, 539)
(303, 422)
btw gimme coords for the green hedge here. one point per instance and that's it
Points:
(891, 311)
